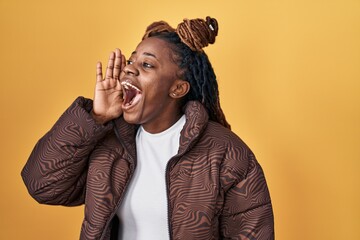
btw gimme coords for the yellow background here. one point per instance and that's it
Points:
(289, 76)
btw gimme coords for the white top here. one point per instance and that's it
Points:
(143, 213)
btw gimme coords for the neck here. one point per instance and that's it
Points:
(165, 124)
(162, 124)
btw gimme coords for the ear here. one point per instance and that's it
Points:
(179, 89)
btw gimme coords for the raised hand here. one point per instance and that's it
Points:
(108, 95)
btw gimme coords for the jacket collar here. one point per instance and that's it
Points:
(196, 122)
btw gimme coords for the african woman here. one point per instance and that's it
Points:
(152, 155)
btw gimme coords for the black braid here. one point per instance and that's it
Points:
(197, 70)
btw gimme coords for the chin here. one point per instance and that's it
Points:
(131, 118)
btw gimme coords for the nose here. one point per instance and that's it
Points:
(130, 69)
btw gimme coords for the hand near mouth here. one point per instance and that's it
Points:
(108, 95)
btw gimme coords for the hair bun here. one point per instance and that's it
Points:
(157, 27)
(198, 33)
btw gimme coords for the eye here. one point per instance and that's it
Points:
(128, 62)
(147, 65)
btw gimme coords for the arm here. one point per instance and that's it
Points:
(247, 212)
(57, 167)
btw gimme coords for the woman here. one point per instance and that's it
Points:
(152, 156)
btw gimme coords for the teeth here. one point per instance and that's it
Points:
(128, 85)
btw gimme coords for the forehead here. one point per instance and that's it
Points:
(155, 46)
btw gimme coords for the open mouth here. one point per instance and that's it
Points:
(131, 94)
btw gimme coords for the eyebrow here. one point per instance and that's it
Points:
(146, 53)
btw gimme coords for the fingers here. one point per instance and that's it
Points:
(110, 66)
(99, 76)
(114, 68)
(118, 63)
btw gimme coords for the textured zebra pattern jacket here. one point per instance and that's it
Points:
(216, 188)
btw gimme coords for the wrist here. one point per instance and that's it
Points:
(98, 118)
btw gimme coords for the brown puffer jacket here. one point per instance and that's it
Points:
(216, 188)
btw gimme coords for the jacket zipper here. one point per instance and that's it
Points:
(167, 181)
(124, 192)
(116, 207)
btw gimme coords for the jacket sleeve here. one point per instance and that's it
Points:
(247, 212)
(56, 170)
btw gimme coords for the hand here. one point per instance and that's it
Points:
(108, 95)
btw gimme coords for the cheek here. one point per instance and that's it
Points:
(157, 95)
(158, 90)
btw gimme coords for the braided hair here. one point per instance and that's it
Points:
(187, 42)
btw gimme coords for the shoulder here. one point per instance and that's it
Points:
(237, 156)
(225, 137)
